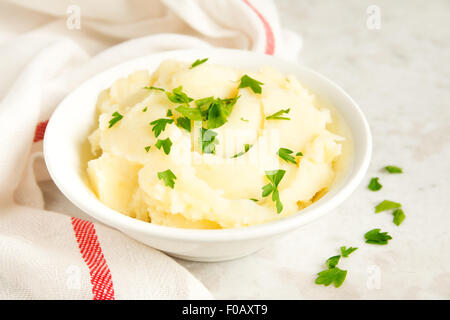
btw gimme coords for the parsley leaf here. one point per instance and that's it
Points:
(147, 148)
(145, 109)
(254, 200)
(393, 169)
(277, 115)
(184, 123)
(346, 252)
(374, 236)
(115, 118)
(154, 88)
(255, 85)
(168, 177)
(208, 140)
(198, 62)
(333, 275)
(285, 154)
(299, 154)
(399, 216)
(178, 96)
(274, 177)
(332, 262)
(246, 148)
(245, 120)
(190, 113)
(219, 111)
(169, 113)
(160, 125)
(374, 185)
(166, 144)
(387, 205)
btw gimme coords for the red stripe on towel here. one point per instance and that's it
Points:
(270, 39)
(40, 131)
(101, 280)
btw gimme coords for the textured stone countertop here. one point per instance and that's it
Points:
(400, 76)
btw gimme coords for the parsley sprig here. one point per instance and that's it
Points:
(166, 144)
(274, 177)
(374, 236)
(168, 177)
(277, 115)
(159, 125)
(198, 62)
(285, 154)
(334, 275)
(253, 84)
(178, 96)
(116, 117)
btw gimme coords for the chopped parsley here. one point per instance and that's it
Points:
(168, 177)
(190, 113)
(245, 120)
(208, 140)
(277, 115)
(387, 205)
(246, 148)
(399, 216)
(274, 177)
(334, 276)
(145, 109)
(198, 62)
(374, 236)
(178, 96)
(285, 154)
(160, 125)
(374, 185)
(166, 144)
(219, 111)
(346, 252)
(255, 85)
(332, 262)
(154, 88)
(254, 200)
(299, 154)
(116, 117)
(184, 123)
(393, 169)
(147, 148)
(169, 113)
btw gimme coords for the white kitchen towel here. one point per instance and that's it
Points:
(47, 48)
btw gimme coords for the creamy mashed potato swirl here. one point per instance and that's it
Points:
(223, 185)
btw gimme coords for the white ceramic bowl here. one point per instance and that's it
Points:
(74, 119)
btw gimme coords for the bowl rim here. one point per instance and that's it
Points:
(127, 224)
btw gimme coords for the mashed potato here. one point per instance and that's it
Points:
(210, 146)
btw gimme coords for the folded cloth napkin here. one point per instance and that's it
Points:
(47, 48)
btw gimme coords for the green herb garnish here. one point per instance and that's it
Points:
(332, 262)
(190, 113)
(169, 113)
(393, 169)
(387, 205)
(147, 148)
(346, 252)
(154, 88)
(219, 111)
(277, 115)
(245, 120)
(253, 199)
(166, 144)
(299, 154)
(374, 185)
(246, 148)
(333, 275)
(374, 236)
(198, 62)
(115, 118)
(274, 177)
(168, 177)
(160, 125)
(178, 96)
(399, 216)
(184, 123)
(285, 154)
(255, 85)
(145, 109)
(208, 140)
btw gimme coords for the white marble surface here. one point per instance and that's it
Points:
(400, 76)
